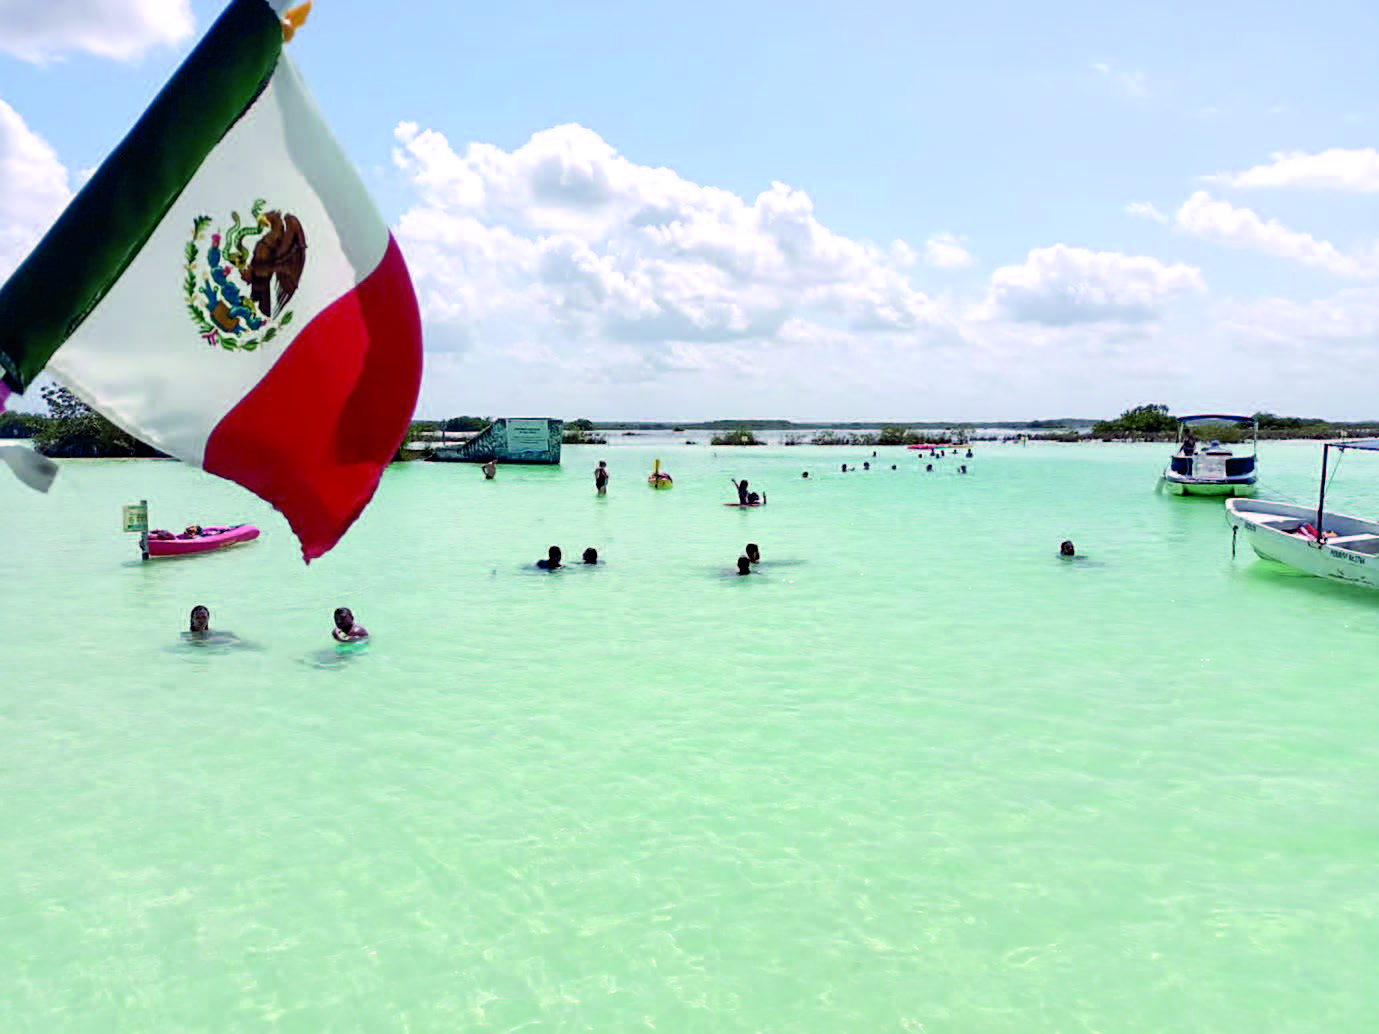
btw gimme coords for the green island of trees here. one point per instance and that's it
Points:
(72, 430)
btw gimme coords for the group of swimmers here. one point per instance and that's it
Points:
(554, 558)
(346, 629)
(554, 561)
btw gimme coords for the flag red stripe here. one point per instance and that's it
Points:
(314, 435)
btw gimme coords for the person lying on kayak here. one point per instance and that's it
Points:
(552, 561)
(345, 630)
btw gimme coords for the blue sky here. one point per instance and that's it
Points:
(1003, 144)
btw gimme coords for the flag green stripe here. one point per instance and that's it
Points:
(108, 222)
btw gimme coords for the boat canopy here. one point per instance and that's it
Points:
(1216, 416)
(1371, 444)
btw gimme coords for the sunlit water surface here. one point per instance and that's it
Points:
(917, 774)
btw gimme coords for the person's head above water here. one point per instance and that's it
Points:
(1066, 549)
(344, 618)
(591, 555)
(744, 566)
(753, 552)
(200, 619)
(804, 474)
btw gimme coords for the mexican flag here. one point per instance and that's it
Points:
(224, 289)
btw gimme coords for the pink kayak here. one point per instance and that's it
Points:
(199, 540)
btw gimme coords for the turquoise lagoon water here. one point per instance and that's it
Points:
(916, 775)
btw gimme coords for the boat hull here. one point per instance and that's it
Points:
(1267, 527)
(1173, 485)
(220, 538)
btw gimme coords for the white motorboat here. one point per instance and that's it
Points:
(1312, 539)
(1213, 468)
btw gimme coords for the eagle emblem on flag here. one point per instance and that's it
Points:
(237, 289)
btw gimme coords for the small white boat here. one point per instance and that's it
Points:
(1212, 469)
(1312, 539)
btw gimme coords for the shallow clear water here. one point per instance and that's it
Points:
(918, 774)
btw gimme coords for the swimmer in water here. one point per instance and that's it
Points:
(892, 466)
(928, 468)
(1066, 549)
(591, 555)
(199, 630)
(962, 469)
(346, 630)
(552, 561)
(490, 468)
(753, 553)
(744, 566)
(866, 464)
(601, 477)
(805, 474)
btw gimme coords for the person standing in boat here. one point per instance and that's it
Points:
(601, 477)
(1189, 442)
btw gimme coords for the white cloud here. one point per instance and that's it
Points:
(1062, 286)
(40, 30)
(1145, 210)
(33, 188)
(945, 251)
(1355, 171)
(564, 238)
(1222, 222)
(1132, 84)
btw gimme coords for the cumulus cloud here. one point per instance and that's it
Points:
(565, 234)
(118, 29)
(1062, 286)
(1356, 171)
(1132, 84)
(1145, 210)
(33, 188)
(1224, 223)
(945, 251)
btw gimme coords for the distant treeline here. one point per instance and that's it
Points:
(1153, 422)
(72, 429)
(856, 425)
(891, 434)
